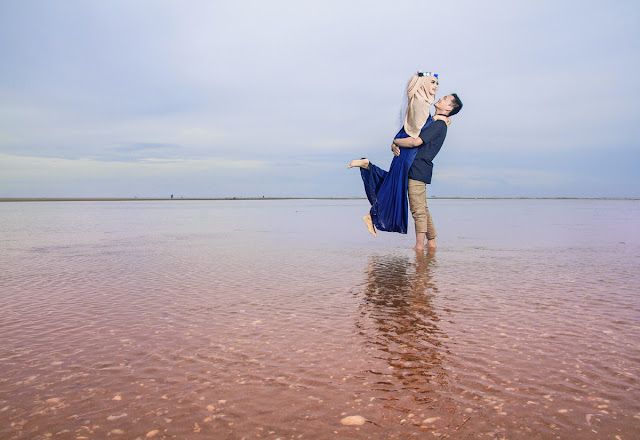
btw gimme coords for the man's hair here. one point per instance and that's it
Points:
(457, 105)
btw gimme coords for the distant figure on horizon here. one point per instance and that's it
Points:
(411, 168)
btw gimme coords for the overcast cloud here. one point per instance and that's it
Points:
(251, 98)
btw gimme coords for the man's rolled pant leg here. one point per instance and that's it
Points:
(418, 204)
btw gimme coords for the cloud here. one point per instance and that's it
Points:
(272, 82)
(44, 169)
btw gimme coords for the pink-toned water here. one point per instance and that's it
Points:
(277, 319)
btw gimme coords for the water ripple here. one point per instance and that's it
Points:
(189, 323)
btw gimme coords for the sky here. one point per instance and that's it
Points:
(148, 98)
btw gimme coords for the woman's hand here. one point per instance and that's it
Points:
(442, 118)
(395, 149)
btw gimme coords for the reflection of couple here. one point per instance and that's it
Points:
(415, 146)
(400, 320)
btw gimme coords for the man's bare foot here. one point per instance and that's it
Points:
(369, 223)
(362, 163)
(430, 247)
(420, 236)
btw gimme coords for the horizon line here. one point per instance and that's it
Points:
(126, 199)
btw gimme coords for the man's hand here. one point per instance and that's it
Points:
(395, 149)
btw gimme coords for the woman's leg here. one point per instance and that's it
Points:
(364, 163)
(369, 222)
(361, 163)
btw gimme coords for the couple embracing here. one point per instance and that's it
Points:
(414, 147)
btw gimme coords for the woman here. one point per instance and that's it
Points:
(387, 191)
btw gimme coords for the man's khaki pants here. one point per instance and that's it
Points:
(418, 205)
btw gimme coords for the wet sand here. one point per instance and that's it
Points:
(227, 319)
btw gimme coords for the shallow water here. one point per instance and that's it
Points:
(276, 319)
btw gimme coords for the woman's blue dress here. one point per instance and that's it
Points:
(387, 191)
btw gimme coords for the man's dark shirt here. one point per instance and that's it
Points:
(432, 140)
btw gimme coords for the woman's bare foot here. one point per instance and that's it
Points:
(362, 163)
(369, 223)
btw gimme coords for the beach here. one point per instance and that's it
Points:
(267, 319)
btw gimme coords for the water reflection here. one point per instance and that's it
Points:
(399, 321)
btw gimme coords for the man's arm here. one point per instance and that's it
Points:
(408, 142)
(427, 135)
(404, 143)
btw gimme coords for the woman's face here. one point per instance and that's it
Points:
(432, 85)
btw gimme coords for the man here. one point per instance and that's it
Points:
(428, 143)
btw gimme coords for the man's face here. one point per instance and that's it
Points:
(432, 85)
(445, 104)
